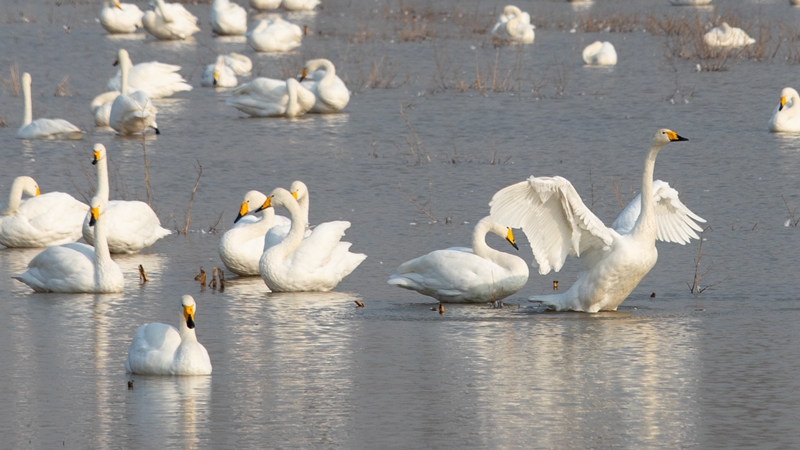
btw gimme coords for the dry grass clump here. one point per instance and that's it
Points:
(382, 74)
(616, 23)
(12, 84)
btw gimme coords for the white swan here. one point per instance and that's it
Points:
(316, 263)
(120, 18)
(299, 5)
(689, 2)
(131, 113)
(514, 25)
(600, 54)
(786, 117)
(161, 349)
(557, 224)
(130, 225)
(266, 97)
(42, 128)
(219, 75)
(727, 36)
(459, 274)
(157, 80)
(240, 64)
(54, 218)
(319, 76)
(274, 35)
(228, 18)
(169, 21)
(101, 107)
(264, 5)
(241, 247)
(76, 267)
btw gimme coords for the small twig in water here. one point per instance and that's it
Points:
(792, 221)
(199, 169)
(429, 211)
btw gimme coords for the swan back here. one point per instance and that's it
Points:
(600, 54)
(331, 92)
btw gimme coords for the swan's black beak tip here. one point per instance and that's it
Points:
(158, 131)
(681, 138)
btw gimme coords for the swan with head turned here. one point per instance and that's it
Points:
(169, 21)
(42, 128)
(120, 18)
(319, 76)
(786, 117)
(466, 275)
(514, 26)
(266, 97)
(131, 113)
(558, 224)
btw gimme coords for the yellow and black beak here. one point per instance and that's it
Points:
(294, 194)
(267, 204)
(38, 192)
(117, 5)
(188, 315)
(673, 136)
(510, 238)
(96, 158)
(303, 74)
(216, 77)
(243, 210)
(783, 103)
(95, 212)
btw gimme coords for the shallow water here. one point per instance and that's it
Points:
(717, 370)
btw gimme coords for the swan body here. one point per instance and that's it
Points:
(76, 267)
(514, 25)
(727, 36)
(219, 75)
(241, 247)
(275, 35)
(264, 5)
(42, 128)
(299, 5)
(169, 21)
(120, 18)
(316, 263)
(557, 224)
(134, 113)
(471, 275)
(689, 2)
(43, 220)
(600, 54)
(130, 225)
(330, 91)
(266, 97)
(101, 107)
(240, 64)
(155, 79)
(160, 349)
(794, 2)
(786, 117)
(228, 18)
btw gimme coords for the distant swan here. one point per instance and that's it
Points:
(120, 18)
(727, 36)
(319, 76)
(265, 97)
(600, 54)
(786, 116)
(155, 79)
(76, 267)
(299, 5)
(228, 18)
(514, 25)
(219, 75)
(43, 220)
(557, 224)
(42, 128)
(690, 2)
(274, 35)
(160, 349)
(264, 5)
(169, 21)
(131, 113)
(459, 274)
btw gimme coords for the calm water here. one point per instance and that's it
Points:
(718, 370)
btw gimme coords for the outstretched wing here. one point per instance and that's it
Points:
(553, 217)
(674, 221)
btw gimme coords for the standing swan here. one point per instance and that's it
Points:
(120, 18)
(228, 18)
(266, 97)
(161, 349)
(77, 267)
(169, 21)
(458, 274)
(54, 218)
(514, 26)
(316, 263)
(331, 92)
(134, 113)
(557, 223)
(786, 116)
(42, 128)
(131, 225)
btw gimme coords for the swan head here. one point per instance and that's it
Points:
(94, 210)
(29, 185)
(298, 190)
(116, 4)
(251, 198)
(122, 56)
(26, 79)
(279, 196)
(316, 64)
(511, 10)
(99, 152)
(787, 94)
(189, 306)
(664, 136)
(510, 238)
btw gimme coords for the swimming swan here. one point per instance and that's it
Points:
(514, 25)
(316, 263)
(264, 5)
(319, 76)
(131, 113)
(155, 79)
(120, 18)
(266, 97)
(600, 54)
(77, 267)
(274, 35)
(130, 225)
(786, 117)
(42, 128)
(43, 220)
(228, 18)
(241, 247)
(459, 274)
(169, 21)
(557, 224)
(219, 75)
(727, 36)
(299, 5)
(161, 349)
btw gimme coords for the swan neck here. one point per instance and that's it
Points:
(647, 221)
(102, 256)
(27, 117)
(480, 248)
(163, 10)
(330, 72)
(14, 198)
(124, 69)
(295, 237)
(187, 334)
(102, 178)
(291, 106)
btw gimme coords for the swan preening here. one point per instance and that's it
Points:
(228, 18)
(514, 26)
(219, 74)
(275, 35)
(130, 113)
(42, 128)
(77, 267)
(160, 349)
(727, 36)
(786, 116)
(266, 97)
(319, 77)
(558, 224)
(130, 225)
(240, 64)
(458, 274)
(600, 54)
(120, 18)
(43, 220)
(155, 79)
(169, 21)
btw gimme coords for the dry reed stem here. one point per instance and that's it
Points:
(199, 169)
(12, 84)
(62, 89)
(417, 141)
(695, 287)
(428, 212)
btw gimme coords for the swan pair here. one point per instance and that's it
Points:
(228, 19)
(42, 128)
(267, 97)
(169, 21)
(470, 275)
(274, 35)
(43, 220)
(120, 18)
(785, 118)
(727, 36)
(557, 224)
(130, 113)
(160, 349)
(514, 26)
(600, 54)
